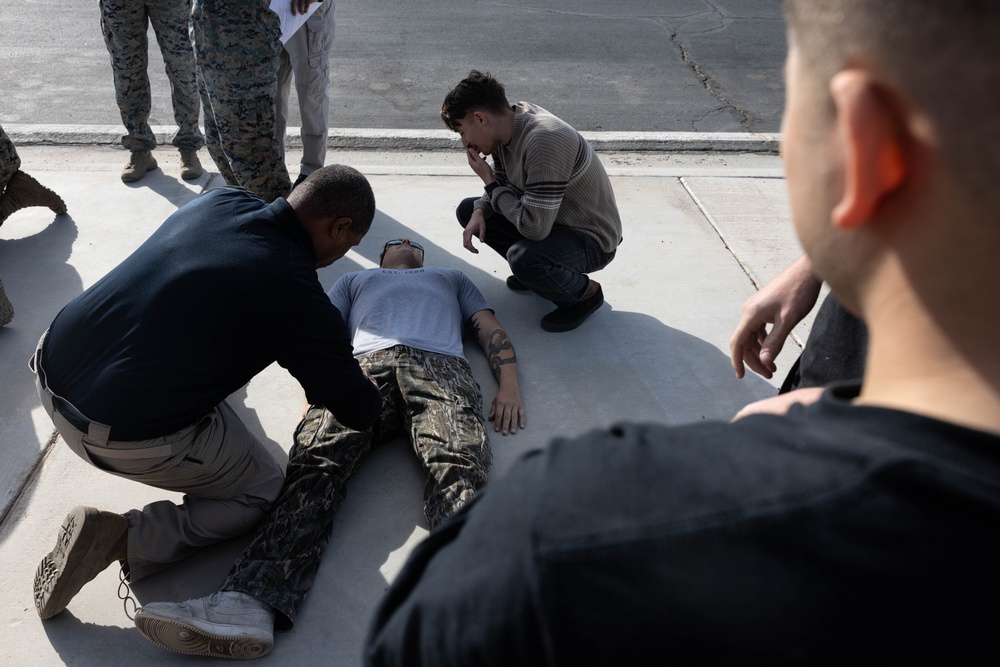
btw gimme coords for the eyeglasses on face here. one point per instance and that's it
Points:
(413, 244)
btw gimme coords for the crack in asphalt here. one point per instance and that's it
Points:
(745, 117)
(563, 12)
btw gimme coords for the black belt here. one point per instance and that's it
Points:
(117, 433)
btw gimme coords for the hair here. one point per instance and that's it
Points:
(475, 92)
(943, 54)
(340, 190)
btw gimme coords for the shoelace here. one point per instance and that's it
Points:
(126, 597)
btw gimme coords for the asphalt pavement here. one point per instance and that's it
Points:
(627, 65)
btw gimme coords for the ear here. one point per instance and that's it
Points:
(339, 227)
(480, 117)
(870, 132)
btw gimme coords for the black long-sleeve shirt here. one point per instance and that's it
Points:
(839, 534)
(226, 286)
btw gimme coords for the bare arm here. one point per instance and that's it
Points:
(783, 302)
(506, 410)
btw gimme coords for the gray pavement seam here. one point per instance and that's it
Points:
(757, 283)
(29, 480)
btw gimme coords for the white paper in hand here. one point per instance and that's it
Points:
(290, 23)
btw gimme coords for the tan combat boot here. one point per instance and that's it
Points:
(24, 191)
(190, 165)
(138, 164)
(88, 541)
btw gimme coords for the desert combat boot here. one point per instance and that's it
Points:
(190, 165)
(23, 191)
(89, 540)
(138, 164)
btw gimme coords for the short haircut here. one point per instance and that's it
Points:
(475, 92)
(944, 55)
(339, 190)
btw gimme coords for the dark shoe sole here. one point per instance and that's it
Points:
(183, 638)
(6, 307)
(567, 318)
(516, 285)
(65, 570)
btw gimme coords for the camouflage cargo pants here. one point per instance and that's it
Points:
(237, 44)
(9, 161)
(125, 23)
(432, 398)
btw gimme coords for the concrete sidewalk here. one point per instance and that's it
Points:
(701, 230)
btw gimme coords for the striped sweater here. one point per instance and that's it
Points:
(549, 175)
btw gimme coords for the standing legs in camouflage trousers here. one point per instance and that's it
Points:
(19, 190)
(435, 400)
(237, 47)
(9, 160)
(124, 23)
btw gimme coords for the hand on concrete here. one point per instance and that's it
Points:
(477, 228)
(779, 405)
(507, 411)
(480, 165)
(782, 303)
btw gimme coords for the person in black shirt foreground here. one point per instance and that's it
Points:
(135, 371)
(859, 529)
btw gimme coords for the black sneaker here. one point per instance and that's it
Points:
(298, 180)
(567, 318)
(514, 284)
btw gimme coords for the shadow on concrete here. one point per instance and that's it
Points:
(80, 643)
(39, 280)
(172, 188)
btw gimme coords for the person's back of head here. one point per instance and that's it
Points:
(891, 142)
(336, 190)
(944, 55)
(476, 92)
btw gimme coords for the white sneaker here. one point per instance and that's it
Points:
(226, 624)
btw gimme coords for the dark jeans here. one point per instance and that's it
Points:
(835, 352)
(554, 268)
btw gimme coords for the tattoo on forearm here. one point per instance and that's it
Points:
(498, 343)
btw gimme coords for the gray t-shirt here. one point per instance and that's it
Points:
(421, 308)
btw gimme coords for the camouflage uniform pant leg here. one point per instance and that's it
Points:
(445, 418)
(212, 140)
(237, 47)
(124, 24)
(280, 564)
(170, 19)
(9, 160)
